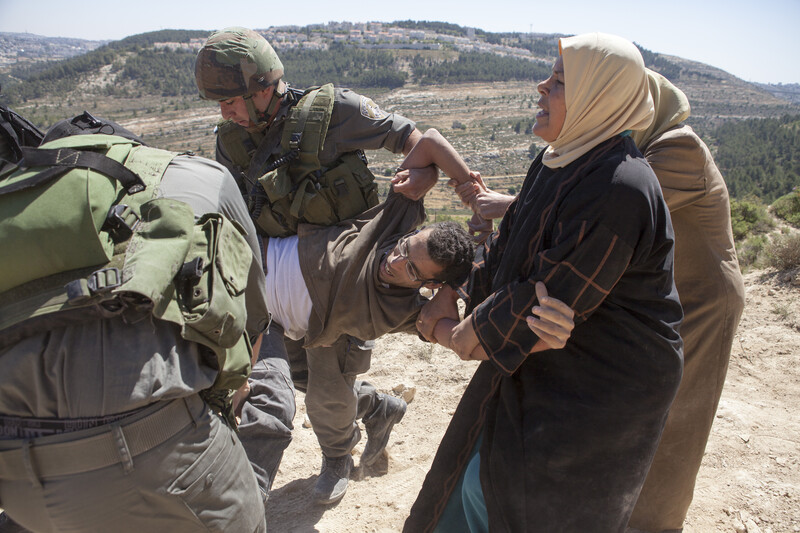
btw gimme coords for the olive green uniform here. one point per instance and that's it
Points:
(69, 393)
(356, 124)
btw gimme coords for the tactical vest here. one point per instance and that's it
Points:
(90, 238)
(283, 191)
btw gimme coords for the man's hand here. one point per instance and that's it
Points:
(415, 183)
(480, 228)
(555, 323)
(488, 204)
(465, 342)
(467, 192)
(444, 304)
(238, 400)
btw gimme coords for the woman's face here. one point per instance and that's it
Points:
(552, 104)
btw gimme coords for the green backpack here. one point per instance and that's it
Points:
(295, 188)
(88, 232)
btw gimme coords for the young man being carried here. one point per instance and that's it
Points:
(361, 278)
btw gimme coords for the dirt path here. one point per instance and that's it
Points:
(749, 482)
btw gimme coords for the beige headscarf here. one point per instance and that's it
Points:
(672, 108)
(606, 94)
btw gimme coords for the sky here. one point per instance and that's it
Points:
(758, 41)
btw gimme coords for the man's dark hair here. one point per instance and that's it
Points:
(452, 248)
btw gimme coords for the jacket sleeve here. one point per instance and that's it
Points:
(357, 123)
(595, 242)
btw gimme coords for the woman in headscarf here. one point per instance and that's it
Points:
(561, 440)
(712, 293)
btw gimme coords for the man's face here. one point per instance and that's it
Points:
(552, 104)
(408, 264)
(235, 108)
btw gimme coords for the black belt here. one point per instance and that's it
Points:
(14, 427)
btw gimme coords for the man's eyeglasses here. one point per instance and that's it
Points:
(411, 270)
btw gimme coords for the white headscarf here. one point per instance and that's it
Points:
(606, 93)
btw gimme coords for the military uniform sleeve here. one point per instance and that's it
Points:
(357, 123)
(208, 187)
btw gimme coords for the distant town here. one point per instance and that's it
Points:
(369, 35)
(22, 47)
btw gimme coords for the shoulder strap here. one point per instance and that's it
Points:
(61, 160)
(262, 154)
(305, 109)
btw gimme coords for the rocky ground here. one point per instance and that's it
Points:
(749, 481)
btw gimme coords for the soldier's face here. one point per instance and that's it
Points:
(235, 109)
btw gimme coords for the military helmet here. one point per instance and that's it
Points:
(235, 62)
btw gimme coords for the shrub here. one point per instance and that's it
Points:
(783, 252)
(788, 208)
(749, 216)
(751, 252)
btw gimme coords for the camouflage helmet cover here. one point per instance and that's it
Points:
(235, 62)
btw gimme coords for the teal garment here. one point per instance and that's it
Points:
(472, 497)
(466, 508)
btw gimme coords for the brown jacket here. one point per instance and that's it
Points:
(340, 267)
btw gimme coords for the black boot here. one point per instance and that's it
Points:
(379, 426)
(333, 478)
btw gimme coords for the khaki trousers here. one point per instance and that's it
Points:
(198, 479)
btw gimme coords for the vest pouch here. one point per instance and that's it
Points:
(54, 227)
(349, 187)
(272, 223)
(274, 216)
(312, 205)
(213, 280)
(211, 288)
(276, 183)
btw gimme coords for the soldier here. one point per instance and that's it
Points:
(108, 366)
(297, 157)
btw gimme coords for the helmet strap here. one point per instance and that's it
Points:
(258, 117)
(252, 112)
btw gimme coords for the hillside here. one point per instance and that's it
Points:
(435, 73)
(405, 53)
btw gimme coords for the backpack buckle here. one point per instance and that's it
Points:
(98, 282)
(104, 280)
(121, 222)
(294, 140)
(192, 271)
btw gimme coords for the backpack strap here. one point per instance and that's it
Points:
(61, 160)
(13, 141)
(17, 132)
